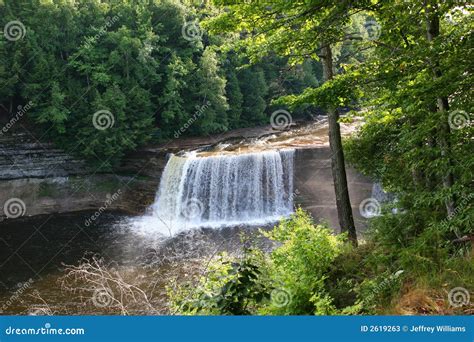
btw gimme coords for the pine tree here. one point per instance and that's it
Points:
(211, 94)
(254, 90)
(234, 98)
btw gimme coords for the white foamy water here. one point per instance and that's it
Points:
(221, 190)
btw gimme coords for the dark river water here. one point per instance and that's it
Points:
(35, 254)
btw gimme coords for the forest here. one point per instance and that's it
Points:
(139, 62)
(103, 79)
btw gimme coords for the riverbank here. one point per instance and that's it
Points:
(47, 181)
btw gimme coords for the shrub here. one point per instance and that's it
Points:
(290, 280)
(228, 287)
(300, 263)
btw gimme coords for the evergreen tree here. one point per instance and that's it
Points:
(173, 112)
(211, 94)
(254, 90)
(235, 99)
(74, 59)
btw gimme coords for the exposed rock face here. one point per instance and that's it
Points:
(76, 193)
(147, 162)
(48, 180)
(21, 156)
(313, 183)
(315, 188)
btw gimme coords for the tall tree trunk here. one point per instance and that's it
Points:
(432, 31)
(431, 180)
(343, 202)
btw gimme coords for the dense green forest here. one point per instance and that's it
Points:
(103, 78)
(146, 68)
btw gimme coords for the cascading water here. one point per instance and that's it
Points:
(222, 190)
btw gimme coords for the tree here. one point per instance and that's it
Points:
(254, 89)
(343, 202)
(417, 118)
(432, 32)
(211, 93)
(73, 59)
(315, 27)
(172, 100)
(235, 98)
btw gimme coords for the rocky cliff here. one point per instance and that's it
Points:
(47, 180)
(43, 179)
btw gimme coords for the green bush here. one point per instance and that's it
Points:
(311, 271)
(300, 263)
(289, 280)
(228, 287)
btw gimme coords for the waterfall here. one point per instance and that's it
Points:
(223, 190)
